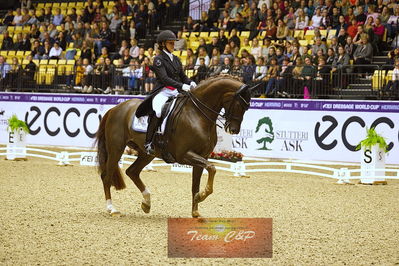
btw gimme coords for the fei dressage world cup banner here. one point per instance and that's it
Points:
(291, 129)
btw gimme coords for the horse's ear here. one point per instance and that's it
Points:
(243, 88)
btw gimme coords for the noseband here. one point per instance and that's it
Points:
(228, 114)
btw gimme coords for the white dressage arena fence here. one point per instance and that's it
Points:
(243, 168)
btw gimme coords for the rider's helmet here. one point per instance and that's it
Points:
(166, 35)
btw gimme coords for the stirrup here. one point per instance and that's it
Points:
(149, 148)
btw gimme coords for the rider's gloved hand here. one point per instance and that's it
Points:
(193, 84)
(186, 87)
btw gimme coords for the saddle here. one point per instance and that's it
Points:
(161, 140)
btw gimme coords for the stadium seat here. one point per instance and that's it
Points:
(309, 35)
(331, 33)
(298, 34)
(378, 79)
(213, 34)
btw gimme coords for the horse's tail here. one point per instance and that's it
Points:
(106, 169)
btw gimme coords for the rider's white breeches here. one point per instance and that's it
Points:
(161, 98)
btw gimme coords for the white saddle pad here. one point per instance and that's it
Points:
(141, 124)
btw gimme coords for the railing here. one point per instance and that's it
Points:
(242, 168)
(360, 81)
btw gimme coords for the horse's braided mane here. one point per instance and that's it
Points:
(206, 82)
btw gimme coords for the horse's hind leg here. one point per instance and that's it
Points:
(134, 173)
(107, 190)
(197, 173)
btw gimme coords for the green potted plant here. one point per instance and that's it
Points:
(17, 130)
(14, 124)
(374, 148)
(373, 139)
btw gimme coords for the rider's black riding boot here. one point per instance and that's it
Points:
(152, 127)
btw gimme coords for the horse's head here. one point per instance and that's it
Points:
(235, 106)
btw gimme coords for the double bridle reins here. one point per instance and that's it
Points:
(227, 115)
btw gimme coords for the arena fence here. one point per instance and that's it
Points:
(343, 175)
(362, 81)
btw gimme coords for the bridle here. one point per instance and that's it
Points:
(227, 115)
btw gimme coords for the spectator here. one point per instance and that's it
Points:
(222, 40)
(87, 76)
(17, 21)
(325, 21)
(214, 67)
(181, 43)
(266, 46)
(149, 82)
(352, 29)
(349, 16)
(361, 17)
(363, 54)
(284, 78)
(79, 72)
(289, 19)
(339, 66)
(213, 44)
(37, 50)
(302, 21)
(104, 38)
(141, 56)
(234, 38)
(134, 49)
(271, 77)
(136, 73)
(46, 50)
(8, 18)
(322, 79)
(226, 53)
(32, 18)
(308, 74)
(260, 71)
(318, 45)
(342, 36)
(189, 25)
(236, 69)
(379, 30)
(8, 43)
(4, 69)
(34, 32)
(108, 73)
(226, 66)
(392, 24)
(330, 56)
(270, 29)
(335, 19)
(256, 49)
(393, 86)
(202, 71)
(202, 54)
(86, 51)
(360, 31)
(29, 70)
(124, 45)
(226, 22)
(121, 78)
(233, 48)
(55, 51)
(126, 57)
(97, 78)
(58, 17)
(282, 30)
(341, 24)
(349, 47)
(248, 69)
(316, 19)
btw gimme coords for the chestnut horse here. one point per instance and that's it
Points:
(193, 139)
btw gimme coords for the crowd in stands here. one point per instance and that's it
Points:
(312, 42)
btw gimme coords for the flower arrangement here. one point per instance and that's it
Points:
(14, 123)
(224, 155)
(373, 138)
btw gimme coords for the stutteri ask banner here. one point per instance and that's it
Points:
(316, 130)
(296, 129)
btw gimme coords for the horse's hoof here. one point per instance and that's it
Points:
(196, 214)
(115, 213)
(146, 208)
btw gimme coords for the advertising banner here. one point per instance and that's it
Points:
(293, 129)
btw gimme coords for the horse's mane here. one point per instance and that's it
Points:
(206, 82)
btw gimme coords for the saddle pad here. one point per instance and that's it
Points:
(141, 124)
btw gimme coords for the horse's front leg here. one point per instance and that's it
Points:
(196, 160)
(197, 173)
